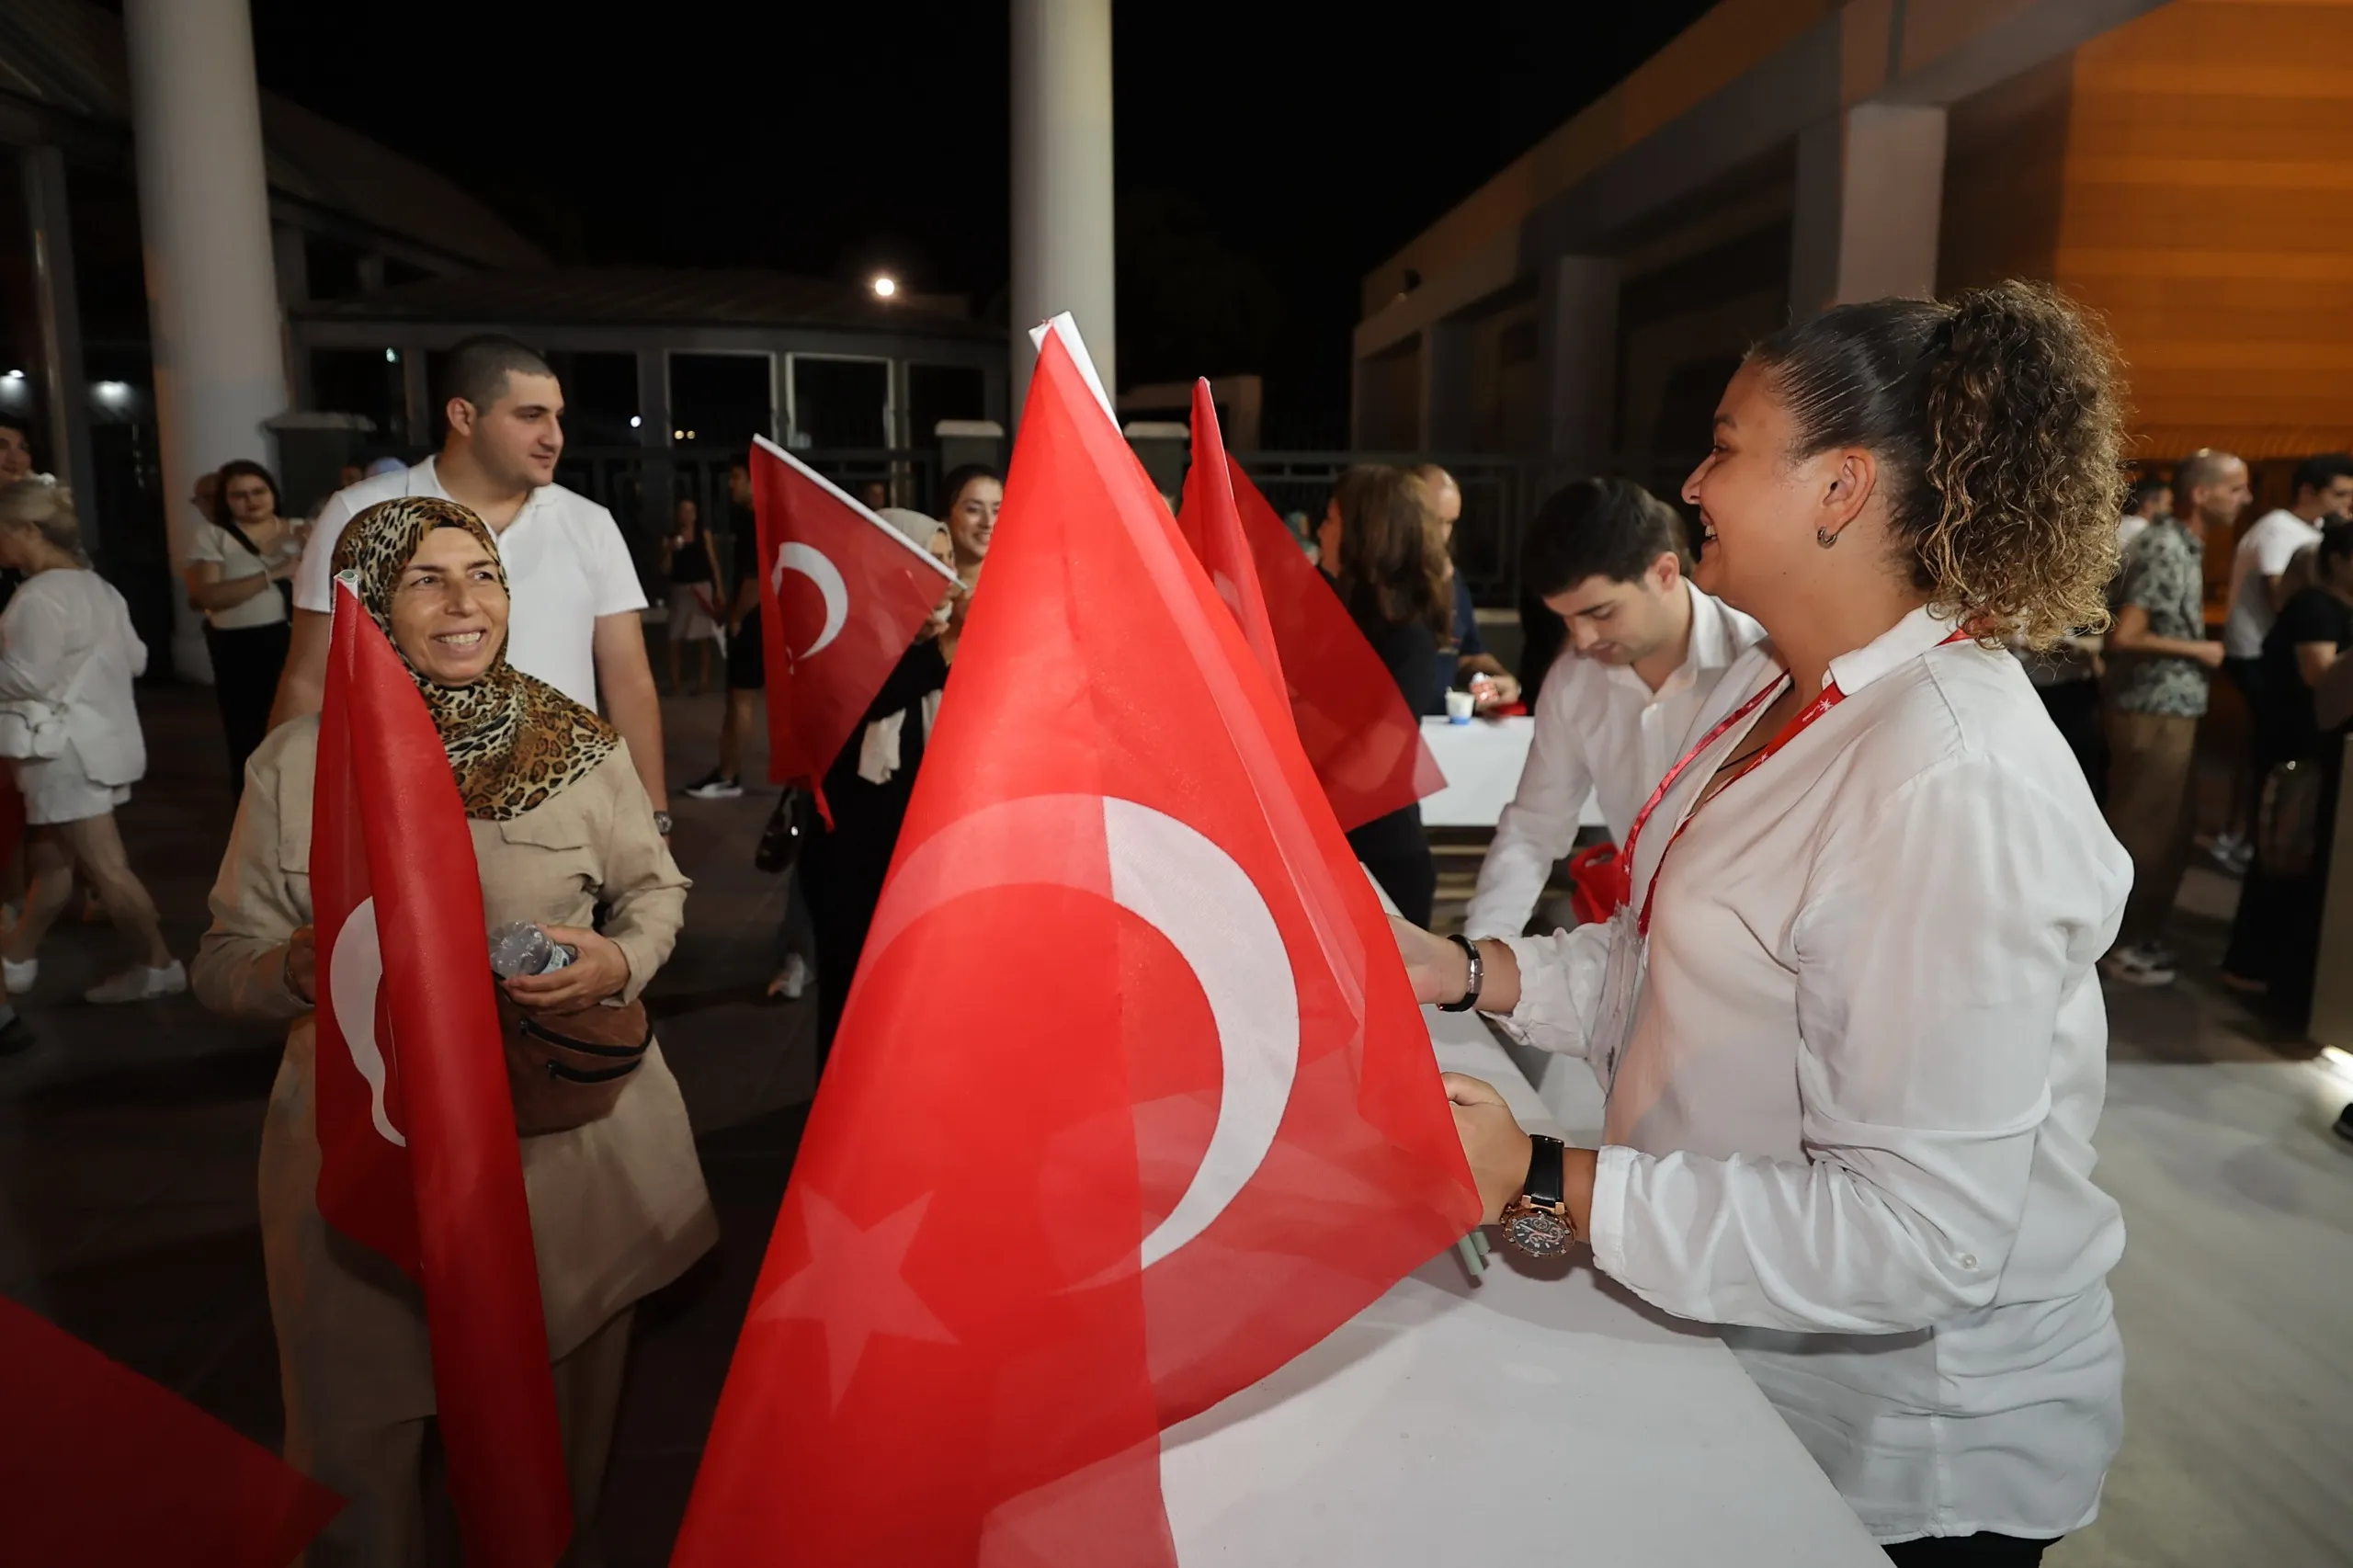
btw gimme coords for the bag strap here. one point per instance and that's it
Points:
(531, 1025)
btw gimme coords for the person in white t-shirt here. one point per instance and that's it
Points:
(577, 601)
(2151, 501)
(2322, 489)
(1645, 649)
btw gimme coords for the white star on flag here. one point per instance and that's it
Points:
(852, 1287)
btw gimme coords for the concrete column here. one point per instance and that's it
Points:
(64, 383)
(1445, 393)
(1061, 180)
(211, 287)
(1577, 338)
(1871, 187)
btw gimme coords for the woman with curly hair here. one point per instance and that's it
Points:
(1849, 1023)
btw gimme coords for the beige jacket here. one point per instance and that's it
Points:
(618, 1207)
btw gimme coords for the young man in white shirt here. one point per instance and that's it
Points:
(576, 599)
(2322, 489)
(1645, 651)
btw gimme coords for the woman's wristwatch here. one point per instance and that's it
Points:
(1470, 998)
(1538, 1221)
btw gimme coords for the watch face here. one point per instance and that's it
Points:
(1537, 1234)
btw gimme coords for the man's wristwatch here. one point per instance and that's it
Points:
(662, 824)
(1538, 1221)
(1470, 998)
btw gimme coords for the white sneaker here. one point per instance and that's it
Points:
(19, 977)
(2136, 965)
(139, 983)
(716, 788)
(792, 979)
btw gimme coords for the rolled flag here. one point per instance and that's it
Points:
(418, 1157)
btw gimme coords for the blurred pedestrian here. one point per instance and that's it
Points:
(690, 561)
(240, 573)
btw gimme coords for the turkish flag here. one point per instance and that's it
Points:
(1365, 744)
(101, 1469)
(418, 1153)
(1211, 523)
(1132, 1103)
(841, 596)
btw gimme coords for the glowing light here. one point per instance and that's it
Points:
(885, 286)
(13, 376)
(113, 391)
(678, 435)
(2338, 1061)
(635, 422)
(391, 356)
(690, 435)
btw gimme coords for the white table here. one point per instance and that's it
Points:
(1542, 1416)
(1481, 761)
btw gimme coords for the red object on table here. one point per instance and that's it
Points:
(418, 1157)
(841, 596)
(1132, 1103)
(1597, 883)
(101, 1469)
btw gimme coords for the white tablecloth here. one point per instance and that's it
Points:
(1482, 760)
(1542, 1416)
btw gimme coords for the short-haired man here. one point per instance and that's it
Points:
(1472, 657)
(576, 600)
(1645, 651)
(2160, 665)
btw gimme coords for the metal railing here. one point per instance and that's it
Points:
(1500, 491)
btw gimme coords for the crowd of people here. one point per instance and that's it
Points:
(1851, 1033)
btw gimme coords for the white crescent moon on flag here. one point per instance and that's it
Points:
(1192, 893)
(355, 973)
(813, 563)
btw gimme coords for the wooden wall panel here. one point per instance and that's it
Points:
(2207, 212)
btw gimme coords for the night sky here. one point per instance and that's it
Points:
(1266, 160)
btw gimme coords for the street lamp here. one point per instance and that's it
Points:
(885, 286)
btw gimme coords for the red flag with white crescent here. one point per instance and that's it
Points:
(1365, 744)
(418, 1157)
(1211, 521)
(841, 596)
(101, 1469)
(1132, 1103)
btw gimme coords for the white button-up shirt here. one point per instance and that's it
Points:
(567, 565)
(1600, 728)
(1851, 1119)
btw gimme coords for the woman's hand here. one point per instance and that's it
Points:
(598, 970)
(303, 965)
(1498, 1150)
(1436, 966)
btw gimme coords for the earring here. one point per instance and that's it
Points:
(1825, 537)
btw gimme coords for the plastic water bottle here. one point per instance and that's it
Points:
(520, 947)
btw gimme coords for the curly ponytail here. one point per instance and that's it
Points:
(1999, 432)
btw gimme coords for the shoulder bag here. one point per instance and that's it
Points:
(32, 729)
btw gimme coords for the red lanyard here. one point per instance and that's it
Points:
(1830, 697)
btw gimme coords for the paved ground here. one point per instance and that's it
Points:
(127, 1145)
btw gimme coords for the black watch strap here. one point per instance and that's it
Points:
(1478, 976)
(1546, 1173)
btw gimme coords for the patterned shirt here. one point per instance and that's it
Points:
(2165, 574)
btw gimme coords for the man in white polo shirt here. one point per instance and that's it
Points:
(1645, 650)
(575, 598)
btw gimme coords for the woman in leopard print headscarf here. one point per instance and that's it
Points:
(514, 741)
(560, 823)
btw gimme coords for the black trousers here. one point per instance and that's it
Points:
(246, 663)
(1984, 1550)
(2074, 706)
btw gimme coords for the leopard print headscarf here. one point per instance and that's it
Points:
(514, 741)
